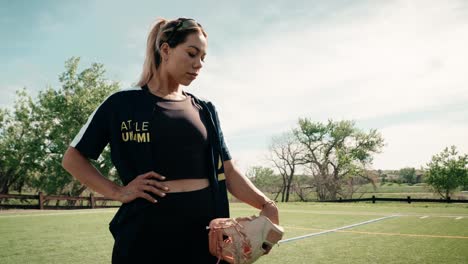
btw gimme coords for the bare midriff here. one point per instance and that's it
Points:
(186, 185)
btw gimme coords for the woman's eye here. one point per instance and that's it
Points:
(193, 55)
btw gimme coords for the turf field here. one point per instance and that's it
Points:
(418, 233)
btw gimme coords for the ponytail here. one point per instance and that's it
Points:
(152, 57)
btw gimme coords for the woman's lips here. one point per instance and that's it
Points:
(192, 75)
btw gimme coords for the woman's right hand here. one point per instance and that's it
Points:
(137, 187)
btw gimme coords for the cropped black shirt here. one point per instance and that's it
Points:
(147, 132)
(179, 136)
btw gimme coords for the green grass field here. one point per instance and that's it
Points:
(422, 233)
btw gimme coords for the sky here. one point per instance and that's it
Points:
(396, 66)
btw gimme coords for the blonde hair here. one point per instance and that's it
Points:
(165, 31)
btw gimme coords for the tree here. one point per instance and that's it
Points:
(34, 137)
(303, 185)
(334, 152)
(447, 171)
(382, 177)
(61, 114)
(353, 184)
(265, 179)
(408, 175)
(286, 155)
(17, 144)
(259, 173)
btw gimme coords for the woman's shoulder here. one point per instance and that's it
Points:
(120, 99)
(201, 99)
(124, 95)
(135, 90)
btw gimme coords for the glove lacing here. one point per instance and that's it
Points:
(246, 248)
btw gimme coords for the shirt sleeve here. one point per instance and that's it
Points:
(94, 135)
(224, 149)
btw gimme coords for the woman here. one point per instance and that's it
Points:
(169, 151)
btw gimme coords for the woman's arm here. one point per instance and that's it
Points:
(243, 189)
(80, 167)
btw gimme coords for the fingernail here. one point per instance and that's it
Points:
(163, 177)
(163, 194)
(166, 188)
(155, 201)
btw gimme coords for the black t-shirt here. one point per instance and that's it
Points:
(147, 132)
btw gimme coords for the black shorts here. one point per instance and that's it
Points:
(170, 231)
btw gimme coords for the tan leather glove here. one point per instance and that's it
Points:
(244, 239)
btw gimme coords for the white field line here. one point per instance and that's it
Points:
(335, 229)
(382, 233)
(451, 216)
(423, 217)
(318, 212)
(458, 218)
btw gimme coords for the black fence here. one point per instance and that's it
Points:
(92, 201)
(408, 199)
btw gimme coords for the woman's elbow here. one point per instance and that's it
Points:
(68, 157)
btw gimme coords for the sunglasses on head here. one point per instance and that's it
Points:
(186, 23)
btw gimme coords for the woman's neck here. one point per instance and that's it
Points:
(165, 87)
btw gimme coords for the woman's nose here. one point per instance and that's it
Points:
(198, 64)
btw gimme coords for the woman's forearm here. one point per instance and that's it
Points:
(80, 168)
(242, 188)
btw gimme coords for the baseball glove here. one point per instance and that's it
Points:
(244, 239)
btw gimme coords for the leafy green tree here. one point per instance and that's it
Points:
(34, 138)
(61, 113)
(382, 176)
(17, 144)
(334, 152)
(265, 179)
(259, 173)
(354, 184)
(408, 175)
(3, 114)
(447, 171)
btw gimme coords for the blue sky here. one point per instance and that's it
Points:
(397, 66)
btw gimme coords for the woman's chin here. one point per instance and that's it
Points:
(186, 82)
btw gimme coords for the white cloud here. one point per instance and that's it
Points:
(364, 62)
(244, 159)
(413, 145)
(348, 68)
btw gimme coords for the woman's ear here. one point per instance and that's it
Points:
(164, 51)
